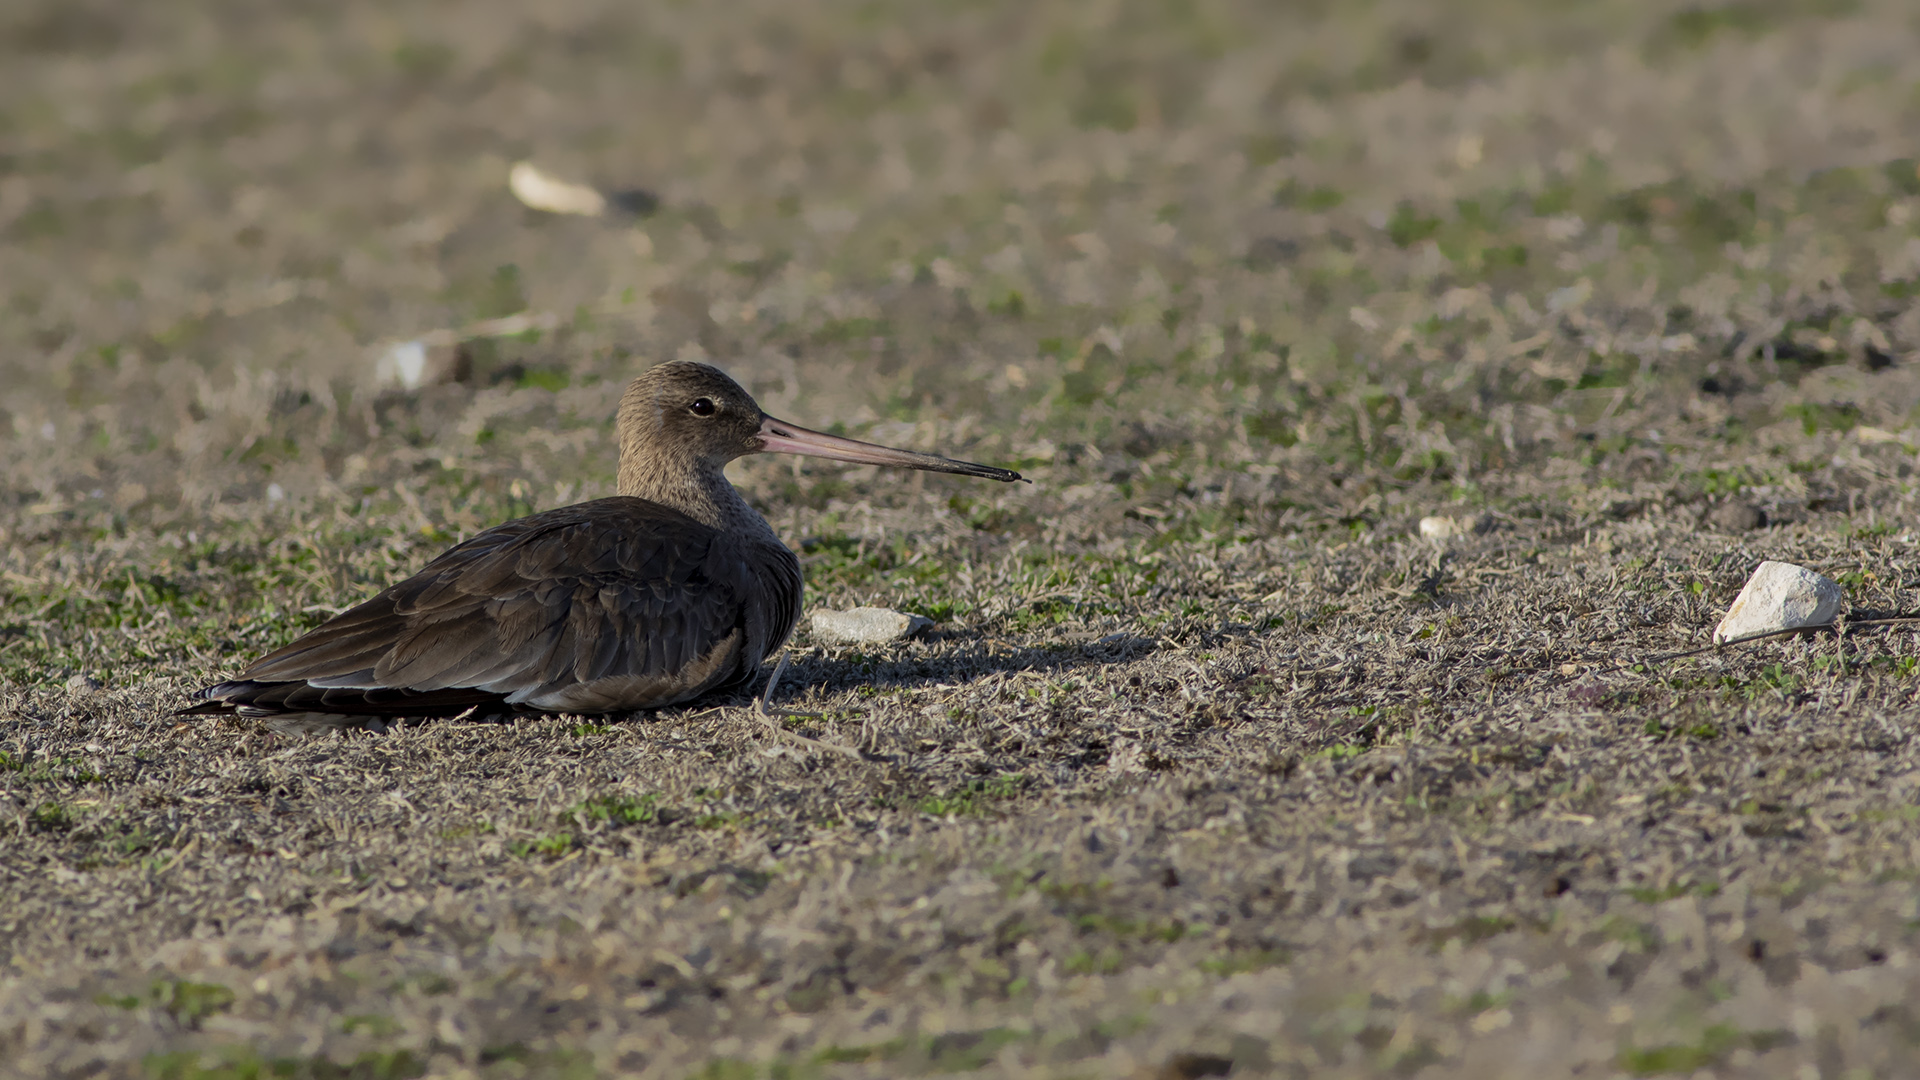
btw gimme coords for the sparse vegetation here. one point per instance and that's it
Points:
(1628, 292)
(974, 797)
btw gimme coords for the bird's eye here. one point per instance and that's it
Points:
(703, 407)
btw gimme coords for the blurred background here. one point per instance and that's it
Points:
(1316, 254)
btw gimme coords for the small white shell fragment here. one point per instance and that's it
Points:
(1780, 596)
(555, 196)
(866, 625)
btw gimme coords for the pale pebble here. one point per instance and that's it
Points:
(542, 192)
(1780, 596)
(866, 625)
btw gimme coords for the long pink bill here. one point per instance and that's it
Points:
(780, 437)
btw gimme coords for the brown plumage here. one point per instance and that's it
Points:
(669, 590)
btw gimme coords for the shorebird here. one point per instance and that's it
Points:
(670, 590)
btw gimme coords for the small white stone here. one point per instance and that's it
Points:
(866, 625)
(1438, 527)
(555, 196)
(1780, 596)
(1872, 435)
(82, 683)
(429, 361)
(403, 362)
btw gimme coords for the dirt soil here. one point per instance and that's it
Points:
(1215, 763)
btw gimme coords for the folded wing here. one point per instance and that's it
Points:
(605, 606)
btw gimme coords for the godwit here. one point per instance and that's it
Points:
(672, 589)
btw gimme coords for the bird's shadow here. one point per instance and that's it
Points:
(816, 670)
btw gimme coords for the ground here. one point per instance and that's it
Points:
(1213, 764)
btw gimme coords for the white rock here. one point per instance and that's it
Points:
(543, 192)
(1446, 528)
(403, 362)
(1872, 435)
(428, 361)
(1780, 596)
(866, 625)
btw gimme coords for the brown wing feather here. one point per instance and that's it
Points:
(523, 613)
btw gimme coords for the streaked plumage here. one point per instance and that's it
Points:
(668, 591)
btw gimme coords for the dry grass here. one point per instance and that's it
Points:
(1212, 765)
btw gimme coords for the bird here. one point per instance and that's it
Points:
(669, 591)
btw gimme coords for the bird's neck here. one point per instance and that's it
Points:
(700, 491)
